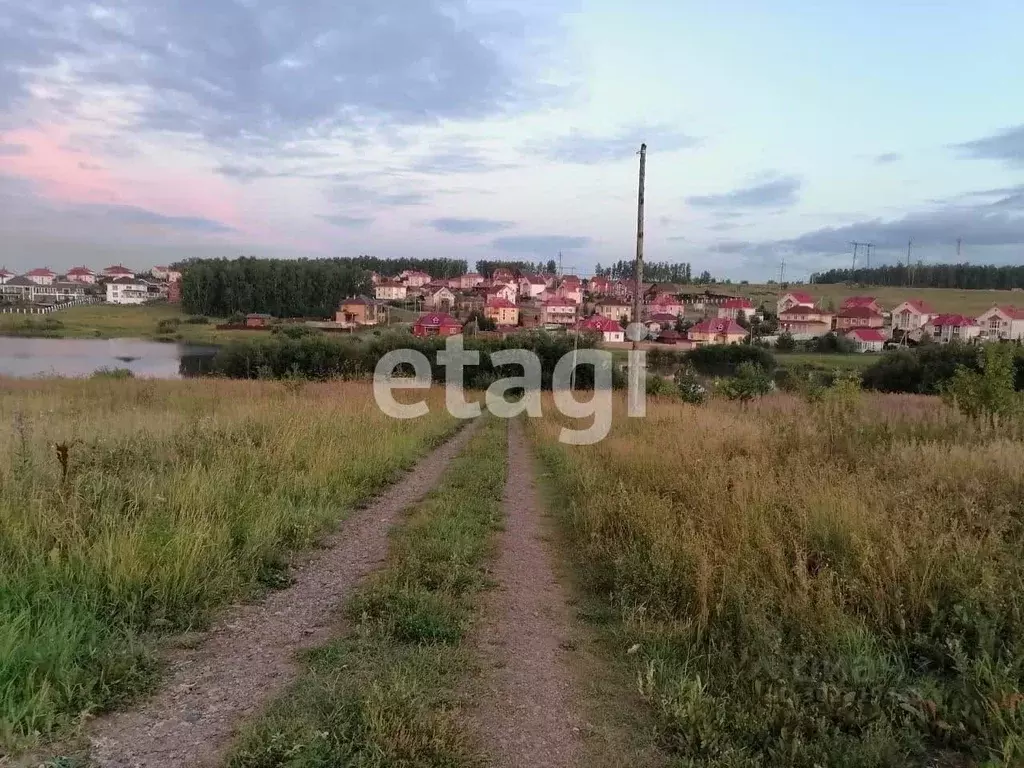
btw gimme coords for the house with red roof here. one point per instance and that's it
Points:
(504, 275)
(502, 311)
(610, 330)
(658, 322)
(507, 291)
(1005, 323)
(570, 288)
(599, 286)
(858, 316)
(733, 309)
(794, 299)
(41, 276)
(911, 315)
(413, 278)
(118, 271)
(532, 286)
(805, 320)
(669, 336)
(558, 311)
(5, 275)
(867, 339)
(665, 304)
(947, 328)
(436, 324)
(716, 330)
(82, 275)
(390, 290)
(862, 301)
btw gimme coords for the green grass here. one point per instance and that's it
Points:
(172, 499)
(854, 362)
(835, 583)
(163, 322)
(383, 695)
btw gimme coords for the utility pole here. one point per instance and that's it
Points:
(870, 246)
(959, 242)
(638, 271)
(853, 269)
(782, 272)
(559, 263)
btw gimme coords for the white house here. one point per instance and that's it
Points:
(389, 290)
(947, 328)
(118, 271)
(1002, 323)
(507, 291)
(911, 315)
(416, 279)
(127, 290)
(794, 299)
(532, 286)
(867, 339)
(558, 311)
(81, 275)
(440, 300)
(5, 276)
(610, 330)
(572, 289)
(41, 276)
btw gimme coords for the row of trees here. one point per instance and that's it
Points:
(961, 276)
(518, 268)
(655, 272)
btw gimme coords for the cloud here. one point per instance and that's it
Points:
(887, 158)
(539, 243)
(779, 192)
(231, 71)
(461, 160)
(130, 214)
(588, 149)
(359, 194)
(12, 150)
(724, 226)
(1007, 146)
(470, 226)
(90, 166)
(347, 222)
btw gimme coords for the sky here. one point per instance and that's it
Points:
(146, 131)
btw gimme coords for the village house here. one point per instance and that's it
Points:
(440, 300)
(622, 289)
(5, 276)
(18, 289)
(470, 302)
(503, 275)
(470, 281)
(503, 312)
(658, 322)
(610, 330)
(867, 339)
(716, 331)
(258, 320)
(793, 299)
(858, 316)
(862, 301)
(415, 278)
(570, 288)
(947, 328)
(805, 320)
(614, 309)
(390, 290)
(41, 276)
(82, 275)
(558, 311)
(734, 309)
(57, 292)
(118, 271)
(1006, 323)
(127, 290)
(167, 274)
(506, 291)
(531, 286)
(361, 310)
(599, 286)
(911, 315)
(665, 304)
(436, 324)
(669, 336)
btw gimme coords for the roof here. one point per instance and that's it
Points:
(858, 301)
(1011, 312)
(670, 335)
(719, 326)
(360, 301)
(919, 306)
(958, 320)
(22, 281)
(571, 279)
(417, 273)
(738, 304)
(5, 273)
(558, 301)
(859, 311)
(803, 309)
(803, 298)
(86, 271)
(662, 317)
(258, 316)
(390, 284)
(119, 268)
(438, 320)
(534, 279)
(868, 334)
(665, 298)
(473, 275)
(612, 303)
(598, 323)
(41, 273)
(128, 281)
(500, 303)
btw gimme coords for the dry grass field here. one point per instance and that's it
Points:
(838, 583)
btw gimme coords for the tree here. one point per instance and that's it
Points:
(751, 381)
(785, 342)
(690, 388)
(552, 267)
(989, 393)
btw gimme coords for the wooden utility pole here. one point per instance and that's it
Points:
(638, 270)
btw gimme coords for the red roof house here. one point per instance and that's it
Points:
(859, 316)
(867, 339)
(610, 330)
(717, 330)
(437, 324)
(734, 308)
(861, 301)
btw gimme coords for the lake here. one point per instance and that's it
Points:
(30, 358)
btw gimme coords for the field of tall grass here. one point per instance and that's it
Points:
(837, 583)
(133, 510)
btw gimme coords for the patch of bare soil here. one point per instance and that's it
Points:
(527, 710)
(249, 656)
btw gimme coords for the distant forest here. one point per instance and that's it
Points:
(518, 268)
(962, 276)
(289, 287)
(656, 272)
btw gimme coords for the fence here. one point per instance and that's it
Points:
(45, 310)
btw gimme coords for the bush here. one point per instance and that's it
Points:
(168, 325)
(785, 342)
(292, 331)
(690, 388)
(197, 320)
(726, 359)
(657, 386)
(831, 344)
(751, 381)
(116, 374)
(928, 369)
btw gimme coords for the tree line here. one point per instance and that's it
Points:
(960, 276)
(518, 268)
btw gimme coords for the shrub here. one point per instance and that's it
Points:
(751, 381)
(690, 388)
(197, 320)
(988, 394)
(923, 370)
(726, 359)
(168, 325)
(785, 342)
(113, 373)
(293, 331)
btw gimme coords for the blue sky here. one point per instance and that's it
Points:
(142, 132)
